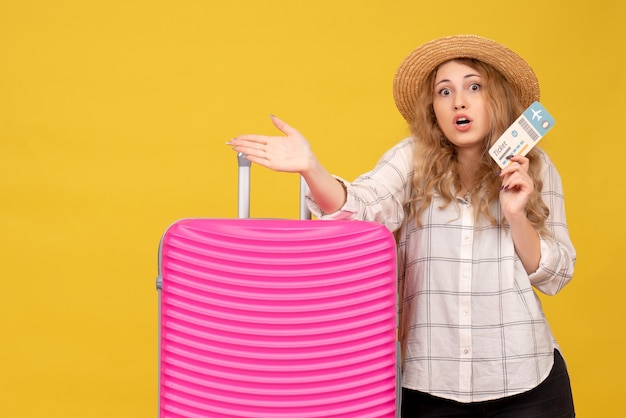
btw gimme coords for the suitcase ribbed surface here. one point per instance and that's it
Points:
(277, 318)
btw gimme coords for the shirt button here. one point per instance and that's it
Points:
(465, 351)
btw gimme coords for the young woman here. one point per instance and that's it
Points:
(473, 240)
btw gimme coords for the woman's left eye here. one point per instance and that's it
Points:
(475, 87)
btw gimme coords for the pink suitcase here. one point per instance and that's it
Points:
(277, 318)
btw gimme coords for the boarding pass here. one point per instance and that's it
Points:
(523, 134)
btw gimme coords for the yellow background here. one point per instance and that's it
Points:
(113, 120)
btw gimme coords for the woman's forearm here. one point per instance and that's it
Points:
(526, 241)
(328, 192)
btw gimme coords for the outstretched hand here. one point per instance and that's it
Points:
(290, 153)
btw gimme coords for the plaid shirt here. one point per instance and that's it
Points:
(476, 328)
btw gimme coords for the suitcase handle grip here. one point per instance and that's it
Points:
(243, 190)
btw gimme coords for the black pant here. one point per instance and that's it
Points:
(551, 399)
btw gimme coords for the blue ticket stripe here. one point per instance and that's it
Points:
(539, 118)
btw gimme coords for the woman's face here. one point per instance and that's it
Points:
(460, 106)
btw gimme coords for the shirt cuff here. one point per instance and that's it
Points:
(549, 257)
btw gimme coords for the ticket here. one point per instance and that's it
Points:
(523, 134)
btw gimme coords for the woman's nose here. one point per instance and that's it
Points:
(459, 104)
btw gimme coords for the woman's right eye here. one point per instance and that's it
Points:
(444, 91)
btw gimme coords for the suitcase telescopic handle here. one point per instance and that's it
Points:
(243, 187)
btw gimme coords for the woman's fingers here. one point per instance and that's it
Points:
(290, 152)
(283, 127)
(517, 162)
(249, 140)
(260, 141)
(515, 175)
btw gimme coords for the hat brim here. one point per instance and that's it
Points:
(418, 65)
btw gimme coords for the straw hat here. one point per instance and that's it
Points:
(422, 61)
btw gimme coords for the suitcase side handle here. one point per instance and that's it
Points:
(243, 190)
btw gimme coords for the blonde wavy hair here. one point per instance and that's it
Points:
(435, 158)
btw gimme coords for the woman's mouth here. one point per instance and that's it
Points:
(462, 123)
